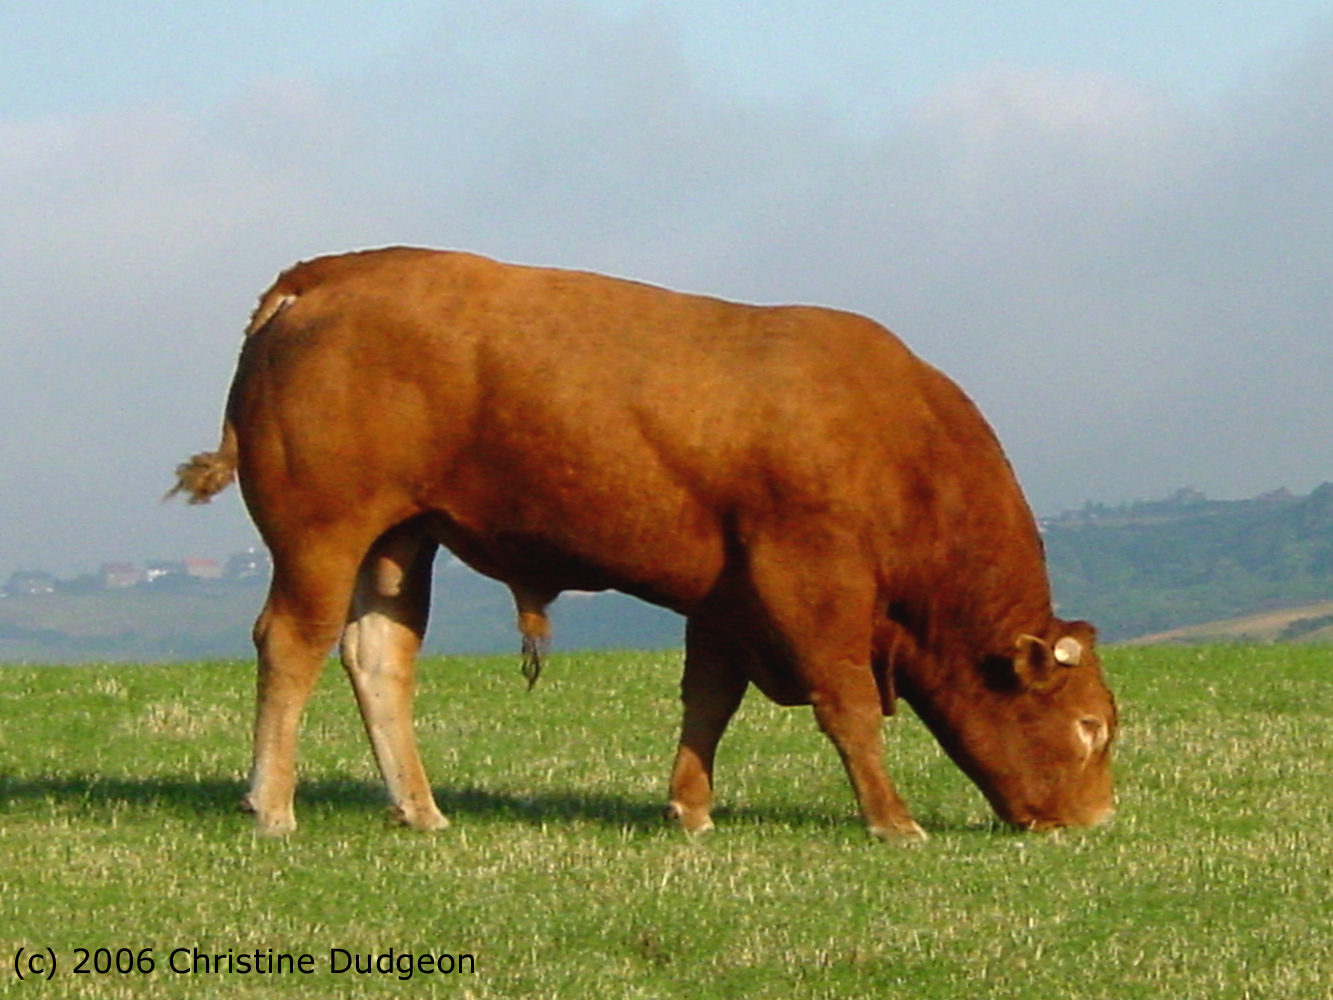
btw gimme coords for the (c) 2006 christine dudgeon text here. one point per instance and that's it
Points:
(46, 963)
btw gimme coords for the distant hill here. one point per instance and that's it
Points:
(211, 619)
(1151, 567)
(1181, 569)
(1309, 623)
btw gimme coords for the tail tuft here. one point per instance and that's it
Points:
(202, 476)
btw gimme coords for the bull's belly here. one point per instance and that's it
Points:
(779, 686)
(670, 571)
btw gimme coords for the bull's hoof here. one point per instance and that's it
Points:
(906, 833)
(692, 821)
(423, 821)
(271, 825)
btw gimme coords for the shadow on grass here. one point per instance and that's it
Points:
(182, 794)
(188, 796)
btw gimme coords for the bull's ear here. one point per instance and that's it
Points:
(1068, 651)
(1082, 635)
(1036, 665)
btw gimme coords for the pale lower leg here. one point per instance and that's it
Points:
(379, 650)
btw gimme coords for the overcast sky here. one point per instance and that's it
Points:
(1111, 223)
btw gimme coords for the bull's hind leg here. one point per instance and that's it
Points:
(711, 690)
(379, 649)
(305, 612)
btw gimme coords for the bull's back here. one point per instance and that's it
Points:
(616, 429)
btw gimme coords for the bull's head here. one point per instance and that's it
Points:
(1035, 734)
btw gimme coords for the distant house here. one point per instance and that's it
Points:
(201, 568)
(30, 583)
(120, 574)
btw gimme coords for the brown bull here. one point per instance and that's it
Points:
(832, 516)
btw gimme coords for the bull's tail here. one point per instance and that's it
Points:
(209, 472)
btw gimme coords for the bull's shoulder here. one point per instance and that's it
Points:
(831, 348)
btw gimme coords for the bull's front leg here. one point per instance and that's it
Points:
(819, 597)
(847, 708)
(711, 690)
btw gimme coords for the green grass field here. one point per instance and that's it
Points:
(118, 831)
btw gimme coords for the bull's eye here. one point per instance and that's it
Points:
(1092, 732)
